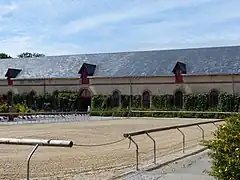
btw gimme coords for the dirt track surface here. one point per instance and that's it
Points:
(102, 162)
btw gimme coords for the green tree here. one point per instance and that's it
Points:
(225, 150)
(4, 56)
(30, 55)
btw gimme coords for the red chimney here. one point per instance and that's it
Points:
(179, 78)
(10, 82)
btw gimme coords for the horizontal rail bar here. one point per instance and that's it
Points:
(198, 112)
(42, 113)
(40, 142)
(136, 133)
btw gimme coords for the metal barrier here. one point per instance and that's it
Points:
(177, 127)
(42, 117)
(36, 143)
(42, 113)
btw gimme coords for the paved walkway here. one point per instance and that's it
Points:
(192, 168)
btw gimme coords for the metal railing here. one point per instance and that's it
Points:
(43, 113)
(42, 117)
(130, 136)
(36, 143)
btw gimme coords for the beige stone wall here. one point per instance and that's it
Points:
(41, 85)
(166, 85)
(136, 85)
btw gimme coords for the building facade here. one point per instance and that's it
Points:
(204, 70)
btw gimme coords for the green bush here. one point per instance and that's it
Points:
(101, 102)
(136, 102)
(4, 108)
(225, 150)
(163, 102)
(23, 108)
(228, 102)
(196, 102)
(125, 101)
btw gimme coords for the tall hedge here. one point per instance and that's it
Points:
(192, 102)
(196, 102)
(125, 101)
(228, 102)
(70, 101)
(101, 102)
(163, 102)
(136, 101)
(59, 101)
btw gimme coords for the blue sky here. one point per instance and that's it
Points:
(57, 27)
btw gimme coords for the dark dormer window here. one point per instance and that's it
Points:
(12, 73)
(179, 69)
(85, 71)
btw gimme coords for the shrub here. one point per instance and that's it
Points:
(136, 101)
(228, 102)
(4, 108)
(100, 102)
(163, 102)
(225, 150)
(22, 108)
(196, 102)
(125, 101)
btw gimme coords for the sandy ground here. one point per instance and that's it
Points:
(101, 162)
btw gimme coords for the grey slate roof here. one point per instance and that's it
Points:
(215, 60)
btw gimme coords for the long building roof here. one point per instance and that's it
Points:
(213, 60)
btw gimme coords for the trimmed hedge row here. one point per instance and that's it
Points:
(192, 102)
(207, 115)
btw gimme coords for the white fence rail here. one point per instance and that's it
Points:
(36, 143)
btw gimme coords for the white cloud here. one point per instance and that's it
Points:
(18, 44)
(74, 26)
(6, 8)
(136, 10)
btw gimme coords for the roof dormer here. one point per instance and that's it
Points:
(89, 68)
(12, 73)
(179, 68)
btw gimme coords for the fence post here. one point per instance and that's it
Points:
(183, 142)
(201, 130)
(137, 153)
(29, 158)
(154, 148)
(215, 125)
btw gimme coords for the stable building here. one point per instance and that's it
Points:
(182, 71)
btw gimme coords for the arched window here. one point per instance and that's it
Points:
(178, 99)
(84, 100)
(85, 93)
(213, 98)
(116, 99)
(146, 99)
